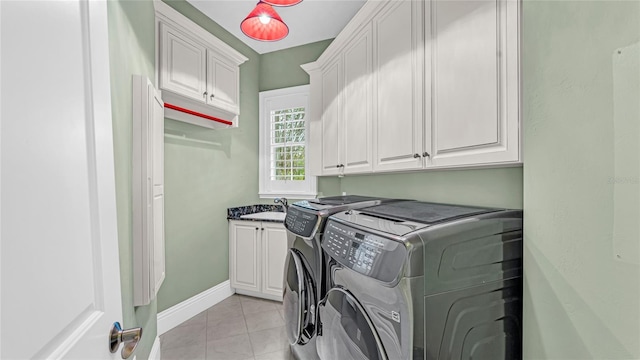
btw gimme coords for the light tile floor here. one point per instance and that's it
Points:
(238, 328)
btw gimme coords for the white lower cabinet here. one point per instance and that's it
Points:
(257, 252)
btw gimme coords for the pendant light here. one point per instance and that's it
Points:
(282, 2)
(264, 24)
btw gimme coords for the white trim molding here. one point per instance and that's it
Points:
(155, 353)
(286, 98)
(191, 307)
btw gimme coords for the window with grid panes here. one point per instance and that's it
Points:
(283, 144)
(287, 133)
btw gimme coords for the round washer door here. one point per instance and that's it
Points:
(346, 330)
(299, 299)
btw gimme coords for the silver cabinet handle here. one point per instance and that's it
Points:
(130, 338)
(426, 154)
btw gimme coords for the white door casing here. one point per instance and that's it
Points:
(60, 284)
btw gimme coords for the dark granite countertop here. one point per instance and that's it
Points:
(235, 213)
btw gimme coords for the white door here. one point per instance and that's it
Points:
(183, 64)
(244, 255)
(398, 60)
(475, 103)
(357, 104)
(60, 282)
(274, 253)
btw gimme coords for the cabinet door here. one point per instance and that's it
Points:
(157, 131)
(474, 45)
(357, 104)
(183, 65)
(398, 85)
(274, 252)
(331, 88)
(244, 255)
(222, 84)
(148, 190)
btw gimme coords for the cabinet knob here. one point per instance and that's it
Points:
(204, 95)
(415, 156)
(341, 165)
(337, 166)
(425, 154)
(212, 96)
(262, 229)
(257, 228)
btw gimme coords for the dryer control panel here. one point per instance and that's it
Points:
(366, 253)
(301, 222)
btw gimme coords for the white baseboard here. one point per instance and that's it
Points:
(193, 306)
(155, 350)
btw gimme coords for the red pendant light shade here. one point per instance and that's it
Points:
(264, 24)
(282, 2)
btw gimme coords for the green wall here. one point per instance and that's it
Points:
(281, 69)
(581, 180)
(131, 51)
(202, 181)
(482, 187)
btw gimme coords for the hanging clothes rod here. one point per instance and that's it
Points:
(195, 113)
(185, 138)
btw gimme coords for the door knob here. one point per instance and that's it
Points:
(130, 338)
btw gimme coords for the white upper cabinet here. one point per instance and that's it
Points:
(398, 86)
(331, 89)
(411, 84)
(342, 131)
(222, 83)
(198, 73)
(184, 65)
(357, 104)
(475, 99)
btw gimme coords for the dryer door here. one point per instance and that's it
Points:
(345, 329)
(299, 299)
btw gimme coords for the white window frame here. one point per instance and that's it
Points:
(297, 96)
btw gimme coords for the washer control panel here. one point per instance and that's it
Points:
(300, 222)
(363, 252)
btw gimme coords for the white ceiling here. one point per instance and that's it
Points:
(309, 21)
